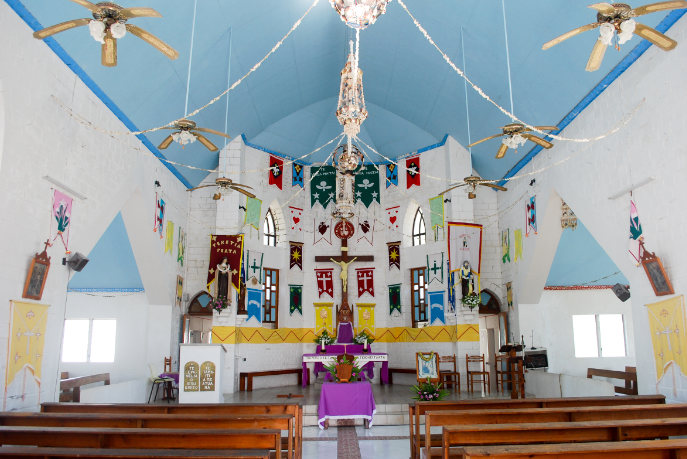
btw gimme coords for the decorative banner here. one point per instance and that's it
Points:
(254, 267)
(531, 217)
(636, 237)
(322, 230)
(159, 215)
(296, 221)
(367, 185)
(366, 318)
(394, 298)
(323, 318)
(451, 290)
(253, 212)
(169, 240)
(465, 244)
(324, 282)
(394, 254)
(25, 357)
(366, 230)
(391, 174)
(181, 246)
(436, 307)
(413, 171)
(297, 175)
(277, 165)
(366, 282)
(509, 294)
(666, 323)
(517, 234)
(505, 245)
(436, 211)
(61, 220)
(254, 303)
(295, 297)
(322, 185)
(435, 263)
(392, 223)
(179, 291)
(226, 246)
(296, 255)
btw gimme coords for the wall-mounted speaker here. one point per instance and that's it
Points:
(77, 262)
(621, 292)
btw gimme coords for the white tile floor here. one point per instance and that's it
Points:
(369, 449)
(378, 449)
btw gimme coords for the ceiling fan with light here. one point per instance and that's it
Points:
(109, 23)
(189, 133)
(615, 21)
(224, 187)
(472, 182)
(517, 135)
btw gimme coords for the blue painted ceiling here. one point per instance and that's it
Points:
(287, 105)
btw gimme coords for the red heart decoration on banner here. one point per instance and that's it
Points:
(296, 220)
(392, 219)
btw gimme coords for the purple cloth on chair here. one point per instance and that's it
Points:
(174, 376)
(345, 333)
(346, 401)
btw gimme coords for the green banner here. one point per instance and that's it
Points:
(253, 212)
(295, 299)
(322, 185)
(436, 208)
(394, 298)
(367, 185)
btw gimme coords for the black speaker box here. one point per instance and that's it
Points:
(621, 292)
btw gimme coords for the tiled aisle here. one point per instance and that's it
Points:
(356, 442)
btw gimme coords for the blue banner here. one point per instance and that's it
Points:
(391, 174)
(436, 307)
(451, 288)
(296, 175)
(254, 303)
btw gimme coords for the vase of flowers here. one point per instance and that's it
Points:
(323, 339)
(344, 370)
(365, 339)
(220, 304)
(471, 301)
(429, 392)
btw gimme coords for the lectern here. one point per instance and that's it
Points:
(515, 369)
(201, 373)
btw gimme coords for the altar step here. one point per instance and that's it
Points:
(387, 415)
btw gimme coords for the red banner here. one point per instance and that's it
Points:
(365, 281)
(413, 171)
(226, 246)
(276, 173)
(324, 282)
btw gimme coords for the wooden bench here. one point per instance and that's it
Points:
(650, 449)
(629, 376)
(418, 409)
(410, 371)
(71, 387)
(31, 452)
(256, 374)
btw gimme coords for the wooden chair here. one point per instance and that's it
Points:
(483, 374)
(451, 378)
(502, 376)
(168, 365)
(157, 380)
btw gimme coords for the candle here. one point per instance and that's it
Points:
(323, 345)
(365, 344)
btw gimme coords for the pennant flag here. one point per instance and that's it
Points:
(636, 251)
(159, 215)
(366, 281)
(391, 174)
(254, 259)
(394, 298)
(323, 318)
(505, 245)
(394, 254)
(296, 221)
(366, 229)
(436, 307)
(277, 165)
(296, 255)
(436, 211)
(322, 185)
(517, 234)
(297, 175)
(666, 322)
(392, 223)
(531, 217)
(324, 282)
(180, 291)
(322, 229)
(254, 303)
(367, 185)
(226, 246)
(366, 318)
(169, 241)
(509, 294)
(253, 212)
(61, 220)
(435, 267)
(413, 171)
(181, 246)
(451, 289)
(295, 296)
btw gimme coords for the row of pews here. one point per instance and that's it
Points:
(560, 428)
(238, 431)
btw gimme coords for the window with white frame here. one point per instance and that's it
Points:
(601, 335)
(419, 232)
(269, 230)
(89, 340)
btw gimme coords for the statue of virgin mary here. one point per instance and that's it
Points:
(223, 280)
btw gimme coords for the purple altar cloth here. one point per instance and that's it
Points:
(338, 349)
(344, 334)
(319, 367)
(346, 401)
(174, 376)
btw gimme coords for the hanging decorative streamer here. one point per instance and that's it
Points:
(181, 246)
(391, 174)
(325, 283)
(61, 220)
(435, 300)
(436, 212)
(295, 297)
(367, 185)
(412, 171)
(179, 291)
(366, 281)
(465, 244)
(517, 234)
(169, 240)
(366, 230)
(323, 318)
(394, 298)
(296, 222)
(435, 263)
(226, 246)
(366, 318)
(394, 254)
(392, 226)
(254, 303)
(509, 294)
(451, 289)
(666, 321)
(531, 217)
(277, 167)
(253, 212)
(322, 231)
(254, 268)
(297, 174)
(505, 245)
(636, 251)
(159, 214)
(296, 251)
(323, 188)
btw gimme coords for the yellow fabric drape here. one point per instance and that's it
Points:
(667, 325)
(169, 241)
(366, 318)
(27, 337)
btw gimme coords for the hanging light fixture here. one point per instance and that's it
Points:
(348, 161)
(358, 14)
(350, 111)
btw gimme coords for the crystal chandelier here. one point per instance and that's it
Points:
(358, 14)
(350, 111)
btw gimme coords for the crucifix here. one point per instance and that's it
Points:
(343, 230)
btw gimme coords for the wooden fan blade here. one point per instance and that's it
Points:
(94, 8)
(453, 188)
(250, 195)
(211, 131)
(165, 143)
(199, 187)
(486, 138)
(494, 186)
(152, 40)
(502, 151)
(595, 58)
(209, 145)
(538, 140)
(655, 37)
(660, 6)
(136, 12)
(109, 51)
(603, 7)
(567, 35)
(244, 186)
(57, 28)
(547, 128)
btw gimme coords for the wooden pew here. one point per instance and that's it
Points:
(556, 432)
(629, 376)
(651, 449)
(418, 409)
(31, 452)
(71, 387)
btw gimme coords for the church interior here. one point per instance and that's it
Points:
(343, 228)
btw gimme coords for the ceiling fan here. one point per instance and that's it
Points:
(472, 183)
(188, 133)
(616, 18)
(517, 135)
(108, 25)
(224, 186)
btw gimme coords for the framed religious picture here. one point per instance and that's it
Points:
(656, 274)
(38, 274)
(427, 366)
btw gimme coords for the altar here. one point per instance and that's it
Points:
(366, 360)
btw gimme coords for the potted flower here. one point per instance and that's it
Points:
(344, 370)
(323, 339)
(471, 301)
(221, 303)
(429, 392)
(365, 339)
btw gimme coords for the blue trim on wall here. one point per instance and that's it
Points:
(94, 290)
(32, 22)
(630, 59)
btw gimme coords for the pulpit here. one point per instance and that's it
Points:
(202, 373)
(515, 369)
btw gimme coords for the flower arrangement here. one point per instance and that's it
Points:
(339, 370)
(324, 338)
(220, 304)
(471, 300)
(362, 336)
(429, 392)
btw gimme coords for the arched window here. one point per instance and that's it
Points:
(419, 233)
(269, 230)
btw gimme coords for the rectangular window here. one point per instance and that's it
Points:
(599, 335)
(417, 294)
(270, 312)
(89, 340)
